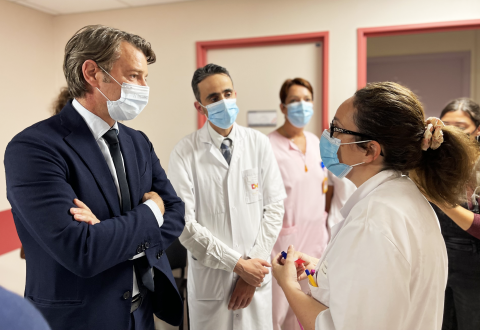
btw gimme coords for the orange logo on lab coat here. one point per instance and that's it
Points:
(254, 186)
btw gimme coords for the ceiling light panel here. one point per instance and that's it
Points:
(74, 6)
(135, 3)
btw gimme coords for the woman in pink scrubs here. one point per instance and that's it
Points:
(305, 179)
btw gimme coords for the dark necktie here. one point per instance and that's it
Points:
(112, 140)
(226, 150)
(142, 268)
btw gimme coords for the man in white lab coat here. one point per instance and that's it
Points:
(229, 179)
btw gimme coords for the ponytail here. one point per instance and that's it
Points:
(444, 173)
(393, 116)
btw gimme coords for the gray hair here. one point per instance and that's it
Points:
(100, 44)
(205, 72)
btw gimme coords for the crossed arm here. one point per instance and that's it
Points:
(82, 212)
(41, 197)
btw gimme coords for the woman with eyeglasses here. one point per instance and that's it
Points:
(386, 264)
(461, 231)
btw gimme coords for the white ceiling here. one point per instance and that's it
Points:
(60, 7)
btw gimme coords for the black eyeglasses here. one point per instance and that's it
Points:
(334, 128)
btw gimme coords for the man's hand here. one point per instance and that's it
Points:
(157, 199)
(252, 270)
(83, 213)
(242, 295)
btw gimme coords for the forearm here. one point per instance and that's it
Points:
(174, 217)
(87, 250)
(269, 229)
(208, 249)
(474, 230)
(305, 307)
(173, 222)
(461, 216)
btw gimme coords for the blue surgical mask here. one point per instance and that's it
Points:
(222, 113)
(328, 151)
(299, 113)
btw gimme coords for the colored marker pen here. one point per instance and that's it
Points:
(325, 179)
(298, 261)
(310, 278)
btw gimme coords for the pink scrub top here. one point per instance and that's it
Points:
(305, 220)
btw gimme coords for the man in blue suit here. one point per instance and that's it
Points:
(92, 205)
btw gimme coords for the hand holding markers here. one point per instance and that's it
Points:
(285, 270)
(302, 262)
(292, 270)
(299, 264)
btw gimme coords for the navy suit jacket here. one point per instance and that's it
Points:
(78, 275)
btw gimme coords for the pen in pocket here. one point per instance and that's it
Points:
(311, 279)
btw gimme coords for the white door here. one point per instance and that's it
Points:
(259, 72)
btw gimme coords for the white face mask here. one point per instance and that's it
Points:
(132, 101)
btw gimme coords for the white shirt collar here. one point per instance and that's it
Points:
(366, 188)
(97, 125)
(218, 139)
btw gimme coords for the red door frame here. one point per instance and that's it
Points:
(204, 46)
(364, 33)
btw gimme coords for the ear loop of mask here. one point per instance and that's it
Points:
(343, 143)
(205, 114)
(110, 77)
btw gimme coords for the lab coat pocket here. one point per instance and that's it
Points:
(253, 191)
(207, 282)
(322, 292)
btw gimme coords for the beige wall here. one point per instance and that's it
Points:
(27, 85)
(443, 42)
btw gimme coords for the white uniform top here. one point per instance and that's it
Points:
(386, 266)
(231, 211)
(343, 189)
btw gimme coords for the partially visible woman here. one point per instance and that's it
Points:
(298, 157)
(386, 265)
(462, 235)
(57, 106)
(61, 101)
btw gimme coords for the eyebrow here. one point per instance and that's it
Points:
(337, 120)
(136, 70)
(216, 94)
(456, 122)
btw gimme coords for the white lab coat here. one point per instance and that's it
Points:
(386, 265)
(230, 212)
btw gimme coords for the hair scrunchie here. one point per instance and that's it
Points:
(433, 136)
